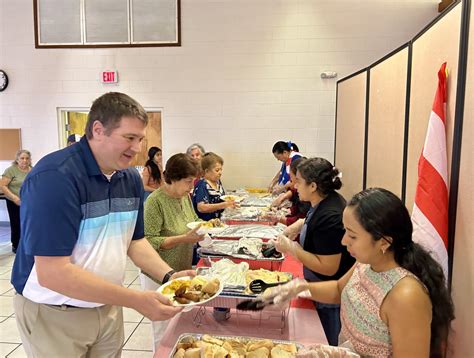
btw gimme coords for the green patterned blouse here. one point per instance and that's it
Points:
(164, 217)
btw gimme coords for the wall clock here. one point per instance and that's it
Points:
(3, 80)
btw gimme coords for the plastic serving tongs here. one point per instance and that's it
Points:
(254, 305)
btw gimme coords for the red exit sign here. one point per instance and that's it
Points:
(109, 76)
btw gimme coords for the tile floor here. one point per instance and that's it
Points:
(138, 341)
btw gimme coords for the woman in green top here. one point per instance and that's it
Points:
(167, 212)
(10, 184)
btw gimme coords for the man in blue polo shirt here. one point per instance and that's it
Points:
(81, 215)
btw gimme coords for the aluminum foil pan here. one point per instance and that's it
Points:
(233, 291)
(257, 201)
(243, 339)
(229, 248)
(257, 231)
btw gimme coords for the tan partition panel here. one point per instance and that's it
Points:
(10, 143)
(387, 97)
(439, 44)
(350, 133)
(463, 260)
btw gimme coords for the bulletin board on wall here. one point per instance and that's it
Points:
(350, 132)
(386, 122)
(439, 44)
(10, 143)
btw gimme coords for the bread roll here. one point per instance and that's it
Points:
(213, 351)
(185, 345)
(192, 353)
(278, 352)
(179, 353)
(207, 338)
(254, 345)
(262, 352)
(201, 344)
(211, 287)
(227, 346)
(220, 352)
(288, 347)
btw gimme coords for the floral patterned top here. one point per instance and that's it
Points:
(362, 328)
(204, 192)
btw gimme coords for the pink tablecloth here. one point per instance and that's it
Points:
(302, 325)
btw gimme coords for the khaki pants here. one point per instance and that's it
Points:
(52, 331)
(157, 327)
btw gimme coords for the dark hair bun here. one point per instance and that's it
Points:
(336, 180)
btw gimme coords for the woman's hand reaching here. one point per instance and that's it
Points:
(285, 245)
(282, 295)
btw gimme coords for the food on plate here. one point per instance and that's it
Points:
(212, 223)
(220, 347)
(211, 287)
(186, 291)
(231, 198)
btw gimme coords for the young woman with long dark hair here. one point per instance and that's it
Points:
(394, 301)
(151, 174)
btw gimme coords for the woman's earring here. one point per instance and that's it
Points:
(383, 251)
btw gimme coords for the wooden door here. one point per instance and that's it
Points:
(152, 138)
(76, 123)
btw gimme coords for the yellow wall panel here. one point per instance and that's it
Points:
(387, 122)
(350, 133)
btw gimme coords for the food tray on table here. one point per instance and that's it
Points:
(231, 346)
(230, 248)
(241, 291)
(252, 230)
(243, 213)
(259, 201)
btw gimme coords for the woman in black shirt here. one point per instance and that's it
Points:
(320, 250)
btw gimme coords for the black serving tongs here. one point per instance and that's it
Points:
(258, 286)
(254, 305)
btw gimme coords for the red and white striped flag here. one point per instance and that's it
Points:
(430, 211)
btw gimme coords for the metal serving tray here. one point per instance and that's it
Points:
(244, 339)
(228, 296)
(251, 230)
(221, 245)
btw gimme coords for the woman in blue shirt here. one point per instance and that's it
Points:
(286, 152)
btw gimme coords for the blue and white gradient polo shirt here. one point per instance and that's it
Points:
(69, 208)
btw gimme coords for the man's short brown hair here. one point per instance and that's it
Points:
(109, 109)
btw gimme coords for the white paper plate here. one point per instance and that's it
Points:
(175, 303)
(204, 230)
(236, 198)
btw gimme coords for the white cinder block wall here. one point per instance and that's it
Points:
(247, 74)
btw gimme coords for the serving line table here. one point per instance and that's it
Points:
(302, 323)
